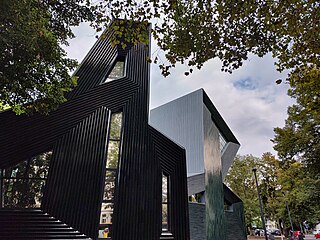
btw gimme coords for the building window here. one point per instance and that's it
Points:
(111, 177)
(165, 203)
(198, 198)
(223, 142)
(118, 70)
(22, 185)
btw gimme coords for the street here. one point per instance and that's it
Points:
(307, 237)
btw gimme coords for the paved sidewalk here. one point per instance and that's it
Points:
(263, 238)
(307, 237)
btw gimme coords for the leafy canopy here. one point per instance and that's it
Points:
(300, 137)
(193, 32)
(280, 183)
(34, 70)
(34, 67)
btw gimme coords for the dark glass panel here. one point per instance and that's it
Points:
(39, 165)
(22, 193)
(165, 182)
(105, 227)
(113, 154)
(164, 217)
(106, 213)
(115, 128)
(109, 186)
(16, 171)
(164, 188)
(117, 71)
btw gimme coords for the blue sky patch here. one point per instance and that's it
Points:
(244, 84)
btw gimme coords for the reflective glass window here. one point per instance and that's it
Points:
(165, 203)
(112, 162)
(222, 141)
(118, 71)
(23, 183)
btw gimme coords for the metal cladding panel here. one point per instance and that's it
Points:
(78, 130)
(230, 196)
(182, 121)
(196, 184)
(227, 157)
(138, 200)
(76, 175)
(172, 159)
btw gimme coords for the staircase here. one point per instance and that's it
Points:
(34, 224)
(166, 236)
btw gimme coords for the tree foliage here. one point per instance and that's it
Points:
(193, 32)
(189, 32)
(300, 137)
(298, 142)
(280, 183)
(240, 180)
(23, 183)
(34, 70)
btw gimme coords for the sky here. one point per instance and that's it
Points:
(249, 100)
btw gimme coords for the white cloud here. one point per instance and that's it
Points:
(251, 112)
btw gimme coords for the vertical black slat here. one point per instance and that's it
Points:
(89, 73)
(95, 201)
(60, 174)
(53, 179)
(137, 212)
(106, 120)
(78, 209)
(156, 187)
(80, 150)
(100, 154)
(168, 152)
(1, 187)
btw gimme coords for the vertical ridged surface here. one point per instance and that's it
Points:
(76, 175)
(181, 120)
(77, 132)
(172, 159)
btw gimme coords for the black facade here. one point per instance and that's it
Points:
(77, 133)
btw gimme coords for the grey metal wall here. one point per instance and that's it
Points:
(215, 221)
(181, 120)
(227, 157)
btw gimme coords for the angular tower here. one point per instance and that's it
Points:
(193, 122)
(104, 171)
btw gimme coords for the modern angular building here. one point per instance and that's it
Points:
(94, 168)
(193, 122)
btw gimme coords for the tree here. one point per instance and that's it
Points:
(299, 139)
(301, 192)
(196, 31)
(240, 180)
(280, 183)
(23, 183)
(270, 187)
(189, 32)
(34, 70)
